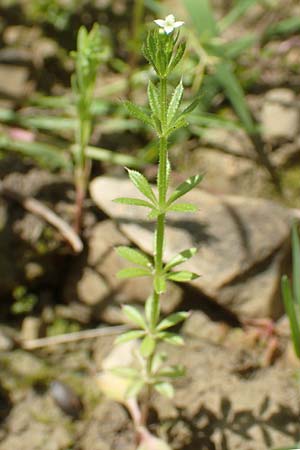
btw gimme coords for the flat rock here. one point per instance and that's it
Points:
(92, 280)
(239, 239)
(280, 115)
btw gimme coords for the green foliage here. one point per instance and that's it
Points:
(164, 116)
(24, 301)
(291, 295)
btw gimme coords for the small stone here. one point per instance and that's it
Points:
(31, 328)
(200, 326)
(241, 241)
(91, 288)
(14, 80)
(6, 343)
(280, 115)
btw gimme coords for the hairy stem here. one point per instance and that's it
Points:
(162, 185)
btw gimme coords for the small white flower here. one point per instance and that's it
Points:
(169, 24)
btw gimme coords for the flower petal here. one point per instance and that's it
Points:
(168, 29)
(170, 19)
(178, 24)
(160, 22)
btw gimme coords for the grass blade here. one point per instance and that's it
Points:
(296, 264)
(291, 312)
(238, 10)
(226, 78)
(202, 17)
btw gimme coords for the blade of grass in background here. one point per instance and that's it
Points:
(105, 155)
(285, 27)
(47, 155)
(234, 92)
(237, 11)
(296, 267)
(201, 15)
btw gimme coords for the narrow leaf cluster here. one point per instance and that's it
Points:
(291, 294)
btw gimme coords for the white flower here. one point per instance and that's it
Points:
(169, 24)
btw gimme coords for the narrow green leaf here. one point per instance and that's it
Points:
(185, 187)
(134, 316)
(142, 184)
(175, 103)
(179, 123)
(171, 338)
(180, 258)
(129, 336)
(152, 310)
(153, 98)
(234, 92)
(296, 265)
(138, 113)
(125, 372)
(191, 106)
(132, 272)
(134, 256)
(182, 276)
(172, 372)
(135, 388)
(283, 28)
(153, 214)
(291, 312)
(147, 346)
(133, 201)
(177, 56)
(172, 320)
(183, 207)
(164, 388)
(158, 359)
(237, 11)
(201, 15)
(45, 154)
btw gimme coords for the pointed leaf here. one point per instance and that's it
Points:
(125, 372)
(134, 256)
(177, 56)
(153, 98)
(291, 312)
(132, 272)
(164, 388)
(183, 207)
(129, 336)
(191, 107)
(171, 338)
(172, 320)
(158, 359)
(135, 388)
(296, 264)
(174, 103)
(182, 276)
(172, 371)
(138, 113)
(185, 187)
(147, 346)
(180, 258)
(134, 316)
(142, 184)
(179, 123)
(133, 201)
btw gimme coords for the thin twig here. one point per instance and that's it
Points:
(72, 337)
(36, 207)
